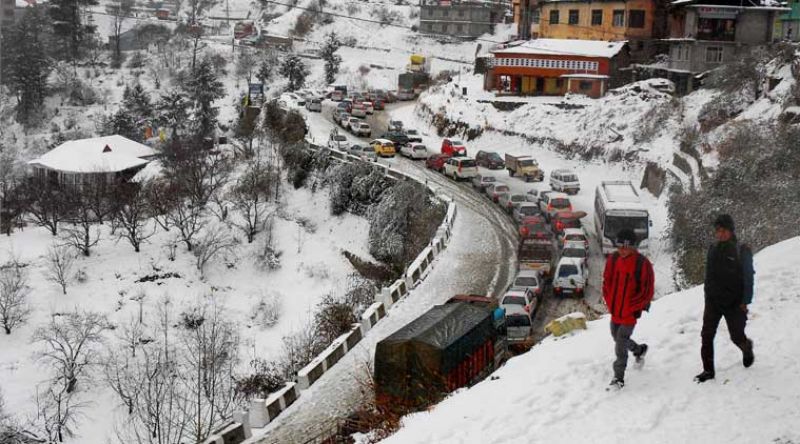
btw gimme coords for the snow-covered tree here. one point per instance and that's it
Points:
(14, 290)
(136, 102)
(172, 110)
(295, 71)
(250, 197)
(68, 24)
(131, 213)
(332, 60)
(60, 263)
(119, 12)
(204, 88)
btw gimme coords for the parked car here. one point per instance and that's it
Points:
(338, 115)
(436, 162)
(345, 121)
(352, 124)
(395, 125)
(519, 327)
(511, 201)
(562, 221)
(362, 129)
(576, 250)
(529, 280)
(480, 182)
(398, 137)
(414, 151)
(369, 107)
(525, 209)
(570, 277)
(368, 154)
(413, 135)
(553, 203)
(345, 105)
(519, 297)
(565, 181)
(460, 168)
(314, 105)
(496, 189)
(453, 147)
(358, 109)
(574, 235)
(378, 104)
(383, 147)
(356, 149)
(490, 160)
(338, 142)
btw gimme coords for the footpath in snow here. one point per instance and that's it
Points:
(556, 392)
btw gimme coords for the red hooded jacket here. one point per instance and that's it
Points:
(623, 300)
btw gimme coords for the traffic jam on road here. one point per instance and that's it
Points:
(553, 248)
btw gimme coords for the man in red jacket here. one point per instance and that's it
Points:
(627, 291)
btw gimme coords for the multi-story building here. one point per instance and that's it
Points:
(790, 22)
(526, 17)
(461, 19)
(556, 66)
(7, 11)
(637, 21)
(707, 33)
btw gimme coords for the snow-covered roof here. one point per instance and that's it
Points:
(584, 48)
(152, 170)
(27, 3)
(109, 154)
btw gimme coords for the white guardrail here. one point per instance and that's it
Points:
(264, 411)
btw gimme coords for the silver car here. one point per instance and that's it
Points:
(480, 182)
(519, 327)
(368, 154)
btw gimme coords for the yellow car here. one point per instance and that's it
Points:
(383, 147)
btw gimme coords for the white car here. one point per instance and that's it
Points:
(338, 142)
(368, 154)
(519, 326)
(576, 250)
(529, 280)
(570, 277)
(574, 235)
(370, 108)
(362, 129)
(359, 110)
(519, 297)
(565, 181)
(414, 151)
(460, 168)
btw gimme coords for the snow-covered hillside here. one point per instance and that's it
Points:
(556, 392)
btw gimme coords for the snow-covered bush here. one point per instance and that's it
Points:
(299, 348)
(354, 187)
(315, 271)
(267, 311)
(265, 377)
(335, 317)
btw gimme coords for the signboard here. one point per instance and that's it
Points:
(717, 13)
(256, 89)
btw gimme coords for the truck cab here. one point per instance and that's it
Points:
(523, 166)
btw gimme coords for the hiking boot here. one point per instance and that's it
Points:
(747, 354)
(703, 377)
(639, 354)
(616, 384)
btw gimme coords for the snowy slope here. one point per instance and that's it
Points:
(556, 392)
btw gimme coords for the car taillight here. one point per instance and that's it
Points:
(538, 291)
(559, 226)
(524, 231)
(557, 290)
(579, 290)
(549, 207)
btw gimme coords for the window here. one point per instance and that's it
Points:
(636, 18)
(445, 12)
(714, 54)
(459, 28)
(553, 17)
(597, 17)
(573, 16)
(619, 18)
(585, 85)
(682, 53)
(716, 29)
(444, 27)
(535, 16)
(461, 13)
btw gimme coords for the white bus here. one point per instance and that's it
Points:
(616, 206)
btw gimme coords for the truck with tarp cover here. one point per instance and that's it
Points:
(448, 347)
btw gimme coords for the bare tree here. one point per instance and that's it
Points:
(57, 414)
(215, 242)
(14, 290)
(60, 264)
(70, 343)
(88, 205)
(209, 353)
(119, 12)
(250, 197)
(246, 65)
(299, 348)
(195, 10)
(44, 202)
(131, 214)
(172, 209)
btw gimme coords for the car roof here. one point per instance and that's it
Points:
(462, 158)
(528, 273)
(563, 171)
(570, 261)
(415, 144)
(574, 231)
(516, 291)
(381, 141)
(516, 310)
(528, 204)
(558, 195)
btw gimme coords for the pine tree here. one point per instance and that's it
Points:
(136, 102)
(25, 63)
(173, 111)
(204, 87)
(295, 71)
(332, 60)
(264, 73)
(68, 26)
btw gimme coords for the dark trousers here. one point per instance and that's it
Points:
(622, 345)
(736, 320)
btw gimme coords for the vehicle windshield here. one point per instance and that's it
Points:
(567, 270)
(526, 281)
(339, 138)
(570, 223)
(518, 321)
(570, 178)
(560, 203)
(494, 156)
(613, 225)
(420, 148)
(518, 198)
(528, 210)
(574, 237)
(368, 149)
(501, 189)
(357, 147)
(574, 252)
(364, 125)
(456, 143)
(468, 163)
(488, 179)
(412, 132)
(513, 300)
(527, 162)
(535, 252)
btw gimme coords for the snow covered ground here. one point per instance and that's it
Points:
(556, 392)
(312, 267)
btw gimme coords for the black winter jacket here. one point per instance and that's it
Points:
(729, 274)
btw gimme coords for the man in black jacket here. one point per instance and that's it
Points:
(728, 291)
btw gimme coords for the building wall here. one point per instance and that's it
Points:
(754, 27)
(584, 28)
(7, 12)
(458, 20)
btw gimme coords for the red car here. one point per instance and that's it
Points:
(436, 162)
(378, 104)
(453, 147)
